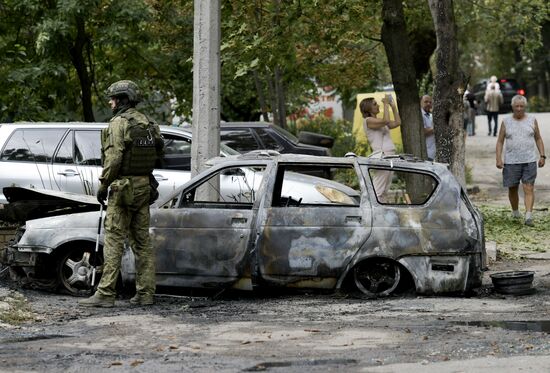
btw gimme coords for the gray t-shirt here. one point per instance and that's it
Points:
(520, 146)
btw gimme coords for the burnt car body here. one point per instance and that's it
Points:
(424, 232)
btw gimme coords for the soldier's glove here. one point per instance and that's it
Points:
(102, 194)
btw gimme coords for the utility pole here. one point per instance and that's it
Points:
(206, 83)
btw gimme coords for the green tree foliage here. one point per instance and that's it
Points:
(60, 56)
(278, 50)
(500, 37)
(309, 41)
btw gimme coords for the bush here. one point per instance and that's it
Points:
(341, 130)
(538, 104)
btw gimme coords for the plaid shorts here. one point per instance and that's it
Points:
(512, 174)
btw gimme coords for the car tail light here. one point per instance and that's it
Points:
(503, 80)
(521, 92)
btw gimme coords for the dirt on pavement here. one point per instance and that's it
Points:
(294, 332)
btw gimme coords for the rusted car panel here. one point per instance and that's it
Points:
(275, 234)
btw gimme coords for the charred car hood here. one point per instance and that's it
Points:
(29, 203)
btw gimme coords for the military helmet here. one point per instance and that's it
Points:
(125, 88)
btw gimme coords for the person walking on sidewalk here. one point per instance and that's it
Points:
(131, 147)
(493, 99)
(522, 136)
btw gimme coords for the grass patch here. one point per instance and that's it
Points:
(14, 309)
(512, 236)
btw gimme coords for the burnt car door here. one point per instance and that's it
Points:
(201, 237)
(311, 227)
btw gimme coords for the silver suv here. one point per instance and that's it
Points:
(67, 157)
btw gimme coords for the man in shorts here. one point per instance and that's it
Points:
(522, 135)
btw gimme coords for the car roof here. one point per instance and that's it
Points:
(246, 124)
(55, 124)
(263, 156)
(86, 125)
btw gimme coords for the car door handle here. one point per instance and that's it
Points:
(235, 221)
(353, 218)
(68, 172)
(159, 177)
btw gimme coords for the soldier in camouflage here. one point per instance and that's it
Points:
(132, 147)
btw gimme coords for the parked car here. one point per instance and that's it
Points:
(508, 87)
(248, 136)
(67, 157)
(424, 234)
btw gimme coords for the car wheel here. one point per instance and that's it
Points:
(377, 278)
(75, 270)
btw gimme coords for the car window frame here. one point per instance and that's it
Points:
(73, 131)
(429, 199)
(67, 134)
(276, 137)
(278, 183)
(246, 129)
(33, 128)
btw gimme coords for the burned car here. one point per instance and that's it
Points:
(285, 228)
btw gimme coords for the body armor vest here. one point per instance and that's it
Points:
(140, 154)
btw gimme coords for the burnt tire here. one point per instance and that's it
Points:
(75, 270)
(377, 277)
(312, 138)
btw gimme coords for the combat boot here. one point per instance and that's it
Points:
(97, 300)
(142, 300)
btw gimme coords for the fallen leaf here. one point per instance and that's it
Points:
(312, 330)
(173, 347)
(137, 362)
(115, 363)
(245, 342)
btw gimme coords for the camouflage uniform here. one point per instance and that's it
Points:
(131, 146)
(128, 212)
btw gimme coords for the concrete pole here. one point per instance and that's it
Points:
(206, 84)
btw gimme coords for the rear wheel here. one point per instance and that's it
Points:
(75, 270)
(377, 278)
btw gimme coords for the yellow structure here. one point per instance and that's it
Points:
(358, 119)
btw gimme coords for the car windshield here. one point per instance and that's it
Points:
(286, 134)
(507, 85)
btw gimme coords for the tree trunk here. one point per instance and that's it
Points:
(77, 57)
(449, 88)
(261, 97)
(273, 99)
(280, 92)
(394, 38)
